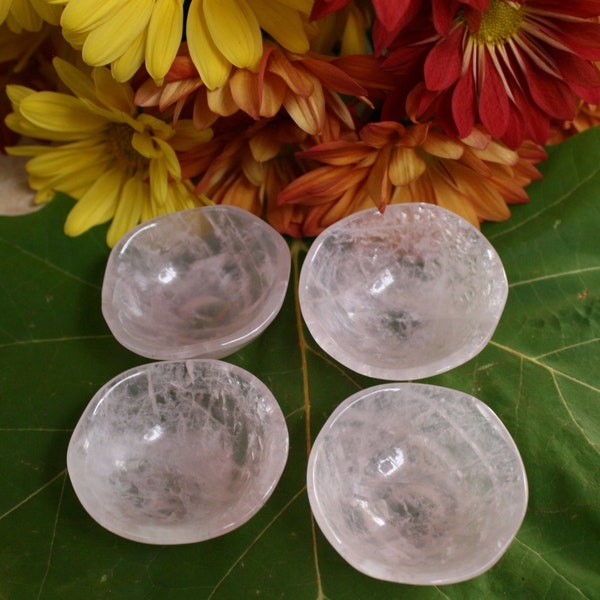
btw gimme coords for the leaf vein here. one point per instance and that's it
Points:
(52, 539)
(551, 276)
(32, 495)
(50, 265)
(554, 571)
(571, 415)
(566, 196)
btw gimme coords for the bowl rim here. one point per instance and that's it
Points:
(80, 485)
(341, 353)
(342, 548)
(223, 345)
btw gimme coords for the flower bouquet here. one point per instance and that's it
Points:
(300, 111)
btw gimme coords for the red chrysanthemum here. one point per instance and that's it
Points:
(515, 67)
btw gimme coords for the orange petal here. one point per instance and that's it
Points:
(405, 166)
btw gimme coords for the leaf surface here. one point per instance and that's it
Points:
(539, 374)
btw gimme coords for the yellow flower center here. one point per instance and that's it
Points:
(500, 22)
(119, 137)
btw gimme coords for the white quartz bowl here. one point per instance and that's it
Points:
(200, 283)
(417, 484)
(178, 452)
(403, 294)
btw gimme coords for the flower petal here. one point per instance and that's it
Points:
(124, 67)
(62, 115)
(283, 23)
(128, 211)
(84, 15)
(210, 62)
(110, 40)
(235, 30)
(164, 36)
(405, 166)
(444, 63)
(97, 205)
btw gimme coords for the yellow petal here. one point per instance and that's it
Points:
(129, 210)
(114, 37)
(16, 93)
(164, 37)
(111, 93)
(71, 159)
(24, 14)
(188, 137)
(214, 69)
(354, 37)
(405, 166)
(158, 182)
(97, 205)
(64, 116)
(50, 14)
(4, 8)
(84, 15)
(169, 158)
(235, 30)
(79, 83)
(126, 66)
(144, 145)
(283, 24)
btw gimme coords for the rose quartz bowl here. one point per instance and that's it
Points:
(404, 294)
(176, 452)
(200, 283)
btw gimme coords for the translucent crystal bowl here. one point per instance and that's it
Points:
(178, 452)
(200, 283)
(402, 295)
(417, 484)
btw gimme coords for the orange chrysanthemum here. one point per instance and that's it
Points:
(247, 163)
(475, 177)
(306, 87)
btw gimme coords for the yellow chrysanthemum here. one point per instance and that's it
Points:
(125, 34)
(118, 164)
(222, 33)
(28, 15)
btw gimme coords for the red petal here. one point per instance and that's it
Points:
(585, 9)
(444, 12)
(444, 63)
(576, 70)
(394, 16)
(582, 38)
(552, 95)
(464, 105)
(419, 101)
(493, 101)
(322, 8)
(526, 121)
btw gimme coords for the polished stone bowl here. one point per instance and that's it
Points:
(402, 295)
(178, 452)
(417, 484)
(200, 283)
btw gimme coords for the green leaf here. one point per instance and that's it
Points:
(539, 374)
